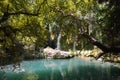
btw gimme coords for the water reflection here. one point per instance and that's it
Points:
(61, 69)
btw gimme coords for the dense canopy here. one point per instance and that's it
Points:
(38, 23)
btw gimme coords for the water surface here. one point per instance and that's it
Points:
(61, 69)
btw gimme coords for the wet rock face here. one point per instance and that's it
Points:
(54, 53)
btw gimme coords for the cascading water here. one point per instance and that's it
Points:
(74, 43)
(58, 41)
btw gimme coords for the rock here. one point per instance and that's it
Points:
(54, 53)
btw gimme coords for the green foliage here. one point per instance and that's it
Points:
(108, 20)
(32, 29)
(35, 21)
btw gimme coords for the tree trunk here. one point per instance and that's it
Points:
(106, 49)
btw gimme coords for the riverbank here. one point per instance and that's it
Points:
(86, 54)
(49, 53)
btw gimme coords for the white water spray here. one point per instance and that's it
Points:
(58, 41)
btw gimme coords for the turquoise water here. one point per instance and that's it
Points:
(61, 69)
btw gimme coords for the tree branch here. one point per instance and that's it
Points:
(103, 47)
(25, 13)
(95, 42)
(72, 16)
(7, 14)
(106, 49)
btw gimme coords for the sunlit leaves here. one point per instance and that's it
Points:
(35, 26)
(82, 9)
(18, 21)
(3, 5)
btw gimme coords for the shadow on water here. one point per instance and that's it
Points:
(62, 69)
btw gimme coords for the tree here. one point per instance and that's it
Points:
(40, 21)
(109, 23)
(17, 21)
(110, 29)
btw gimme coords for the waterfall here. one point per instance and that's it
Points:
(74, 43)
(58, 41)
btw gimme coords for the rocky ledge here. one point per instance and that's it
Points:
(54, 53)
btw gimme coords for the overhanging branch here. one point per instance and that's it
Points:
(77, 20)
(105, 49)
(25, 13)
(95, 42)
(7, 14)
